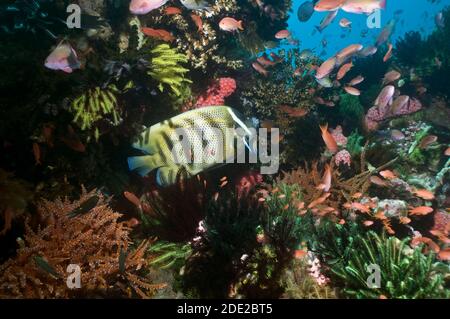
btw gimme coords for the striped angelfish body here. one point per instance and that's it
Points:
(197, 140)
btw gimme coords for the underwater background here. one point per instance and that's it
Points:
(94, 203)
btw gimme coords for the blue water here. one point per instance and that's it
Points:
(417, 15)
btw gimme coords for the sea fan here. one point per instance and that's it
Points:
(85, 234)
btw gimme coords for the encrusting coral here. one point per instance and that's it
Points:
(84, 233)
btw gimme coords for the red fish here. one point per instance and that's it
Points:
(421, 210)
(172, 11)
(329, 140)
(159, 34)
(230, 24)
(326, 180)
(260, 69)
(198, 22)
(293, 111)
(72, 140)
(352, 91)
(132, 199)
(424, 194)
(388, 53)
(283, 34)
(388, 174)
(37, 153)
(344, 70)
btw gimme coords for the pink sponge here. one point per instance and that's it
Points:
(216, 93)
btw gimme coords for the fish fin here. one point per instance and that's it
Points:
(240, 27)
(383, 4)
(143, 142)
(67, 70)
(324, 128)
(143, 164)
(167, 175)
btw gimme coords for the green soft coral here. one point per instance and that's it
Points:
(404, 272)
(166, 69)
(96, 104)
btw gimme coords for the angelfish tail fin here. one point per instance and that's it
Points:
(142, 164)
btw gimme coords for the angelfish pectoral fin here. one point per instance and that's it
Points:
(246, 143)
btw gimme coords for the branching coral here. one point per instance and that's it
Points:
(85, 233)
(165, 68)
(262, 97)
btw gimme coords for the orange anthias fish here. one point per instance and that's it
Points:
(345, 23)
(444, 254)
(356, 81)
(47, 132)
(319, 200)
(388, 53)
(368, 223)
(159, 34)
(378, 181)
(283, 34)
(198, 22)
(344, 70)
(427, 141)
(357, 206)
(427, 241)
(347, 52)
(441, 235)
(132, 199)
(300, 253)
(447, 152)
(37, 153)
(230, 24)
(363, 6)
(172, 11)
(295, 112)
(326, 180)
(424, 194)
(421, 210)
(326, 68)
(328, 5)
(260, 69)
(72, 140)
(329, 140)
(404, 220)
(388, 174)
(352, 91)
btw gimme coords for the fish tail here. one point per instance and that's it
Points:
(142, 164)
(166, 176)
(240, 26)
(324, 128)
(383, 4)
(318, 29)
